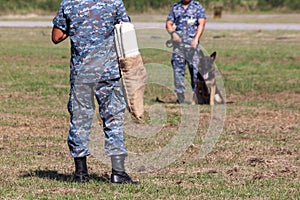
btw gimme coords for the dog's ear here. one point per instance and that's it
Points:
(201, 54)
(213, 56)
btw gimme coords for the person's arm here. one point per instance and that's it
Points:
(200, 30)
(171, 31)
(58, 35)
(121, 15)
(169, 26)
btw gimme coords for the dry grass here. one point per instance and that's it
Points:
(256, 157)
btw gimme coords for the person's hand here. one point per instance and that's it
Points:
(176, 37)
(194, 44)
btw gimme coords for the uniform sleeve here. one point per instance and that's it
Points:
(60, 20)
(171, 16)
(201, 12)
(121, 12)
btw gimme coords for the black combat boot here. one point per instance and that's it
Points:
(81, 171)
(119, 176)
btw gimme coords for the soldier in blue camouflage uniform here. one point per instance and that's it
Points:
(189, 18)
(94, 71)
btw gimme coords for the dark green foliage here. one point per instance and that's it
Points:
(269, 4)
(144, 5)
(16, 6)
(21, 6)
(272, 3)
(51, 5)
(293, 4)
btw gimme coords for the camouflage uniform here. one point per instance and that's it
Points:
(186, 22)
(94, 71)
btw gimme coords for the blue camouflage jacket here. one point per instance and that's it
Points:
(186, 21)
(90, 26)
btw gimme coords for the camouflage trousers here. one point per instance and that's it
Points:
(81, 107)
(181, 58)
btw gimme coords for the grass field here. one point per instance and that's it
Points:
(256, 157)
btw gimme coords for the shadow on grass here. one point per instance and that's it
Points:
(54, 175)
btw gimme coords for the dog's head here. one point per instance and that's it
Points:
(206, 65)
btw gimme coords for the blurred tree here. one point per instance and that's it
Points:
(268, 4)
(22, 6)
(293, 4)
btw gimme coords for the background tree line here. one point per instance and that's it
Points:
(42, 6)
(230, 5)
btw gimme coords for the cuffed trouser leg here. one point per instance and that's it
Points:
(193, 73)
(179, 63)
(193, 62)
(112, 106)
(81, 109)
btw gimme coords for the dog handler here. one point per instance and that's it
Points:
(94, 71)
(189, 18)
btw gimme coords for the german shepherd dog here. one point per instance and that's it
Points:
(206, 88)
(206, 91)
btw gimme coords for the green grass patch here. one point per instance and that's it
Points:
(256, 156)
